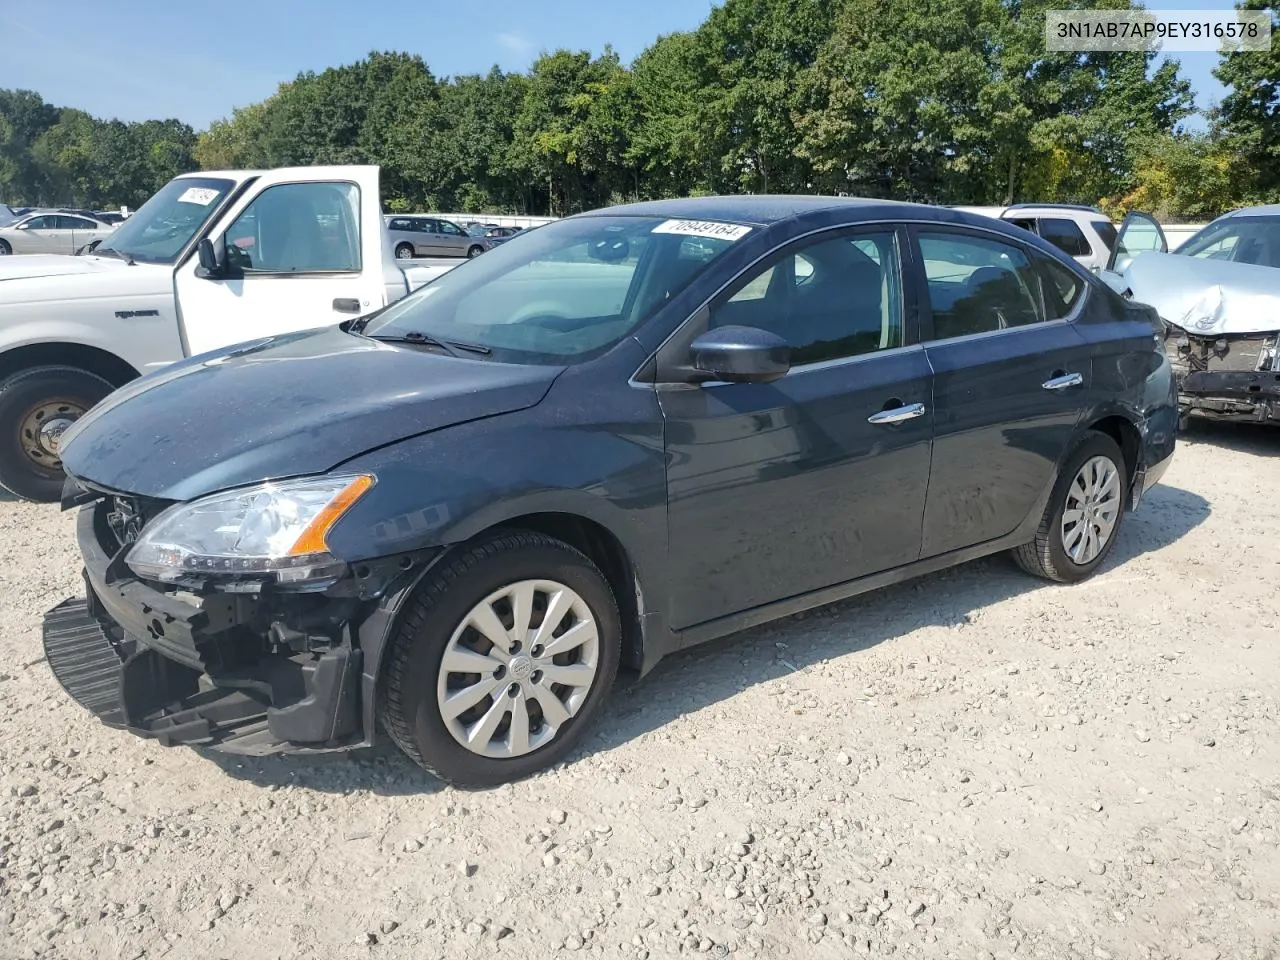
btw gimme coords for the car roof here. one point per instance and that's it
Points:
(1054, 210)
(767, 210)
(1264, 210)
(760, 209)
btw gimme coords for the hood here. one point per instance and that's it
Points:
(284, 406)
(1207, 298)
(29, 266)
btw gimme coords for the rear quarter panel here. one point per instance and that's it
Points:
(1131, 374)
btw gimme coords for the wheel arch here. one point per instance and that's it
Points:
(606, 550)
(95, 360)
(1128, 437)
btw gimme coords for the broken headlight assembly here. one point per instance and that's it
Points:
(273, 532)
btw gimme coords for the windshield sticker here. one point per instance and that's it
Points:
(704, 228)
(199, 195)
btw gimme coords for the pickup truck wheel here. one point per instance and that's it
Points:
(36, 407)
(475, 251)
(404, 252)
(501, 660)
(5, 249)
(1083, 516)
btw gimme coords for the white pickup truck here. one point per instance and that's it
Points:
(214, 258)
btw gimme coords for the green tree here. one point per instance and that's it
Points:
(565, 128)
(1248, 119)
(666, 145)
(752, 56)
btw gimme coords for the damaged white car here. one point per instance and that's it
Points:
(1219, 297)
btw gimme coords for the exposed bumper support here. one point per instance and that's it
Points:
(1231, 395)
(165, 668)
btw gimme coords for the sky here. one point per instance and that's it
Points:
(148, 59)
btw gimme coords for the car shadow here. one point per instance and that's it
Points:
(725, 667)
(1262, 440)
(946, 598)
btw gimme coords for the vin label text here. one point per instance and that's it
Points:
(1232, 31)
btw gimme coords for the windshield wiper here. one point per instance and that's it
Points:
(451, 347)
(113, 252)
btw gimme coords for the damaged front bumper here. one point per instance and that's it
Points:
(246, 672)
(1226, 377)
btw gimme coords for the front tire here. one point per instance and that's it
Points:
(5, 249)
(36, 406)
(1083, 516)
(474, 251)
(481, 686)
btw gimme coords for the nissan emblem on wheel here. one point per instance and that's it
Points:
(453, 521)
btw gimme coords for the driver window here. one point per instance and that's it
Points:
(298, 228)
(829, 299)
(449, 228)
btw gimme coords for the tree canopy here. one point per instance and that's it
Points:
(945, 101)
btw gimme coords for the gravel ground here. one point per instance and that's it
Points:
(971, 765)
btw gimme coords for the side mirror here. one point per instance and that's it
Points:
(741, 355)
(209, 268)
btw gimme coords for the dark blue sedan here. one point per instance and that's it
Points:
(612, 437)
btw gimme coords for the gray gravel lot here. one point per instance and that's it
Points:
(975, 764)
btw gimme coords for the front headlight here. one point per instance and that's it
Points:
(274, 530)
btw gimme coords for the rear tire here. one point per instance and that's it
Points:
(1073, 513)
(404, 252)
(36, 400)
(415, 684)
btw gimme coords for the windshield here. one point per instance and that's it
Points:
(165, 224)
(565, 292)
(1253, 240)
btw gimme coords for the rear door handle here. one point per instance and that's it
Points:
(1063, 381)
(346, 305)
(897, 414)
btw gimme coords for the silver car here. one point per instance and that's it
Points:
(51, 233)
(432, 237)
(1219, 296)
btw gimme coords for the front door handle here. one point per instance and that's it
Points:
(1063, 381)
(346, 305)
(897, 414)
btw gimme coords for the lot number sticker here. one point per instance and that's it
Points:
(704, 228)
(201, 195)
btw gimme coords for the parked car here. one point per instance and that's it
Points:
(1082, 232)
(7, 215)
(432, 237)
(208, 261)
(51, 233)
(500, 234)
(630, 431)
(1218, 296)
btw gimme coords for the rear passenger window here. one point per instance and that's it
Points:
(1062, 290)
(977, 285)
(1065, 235)
(1107, 231)
(830, 299)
